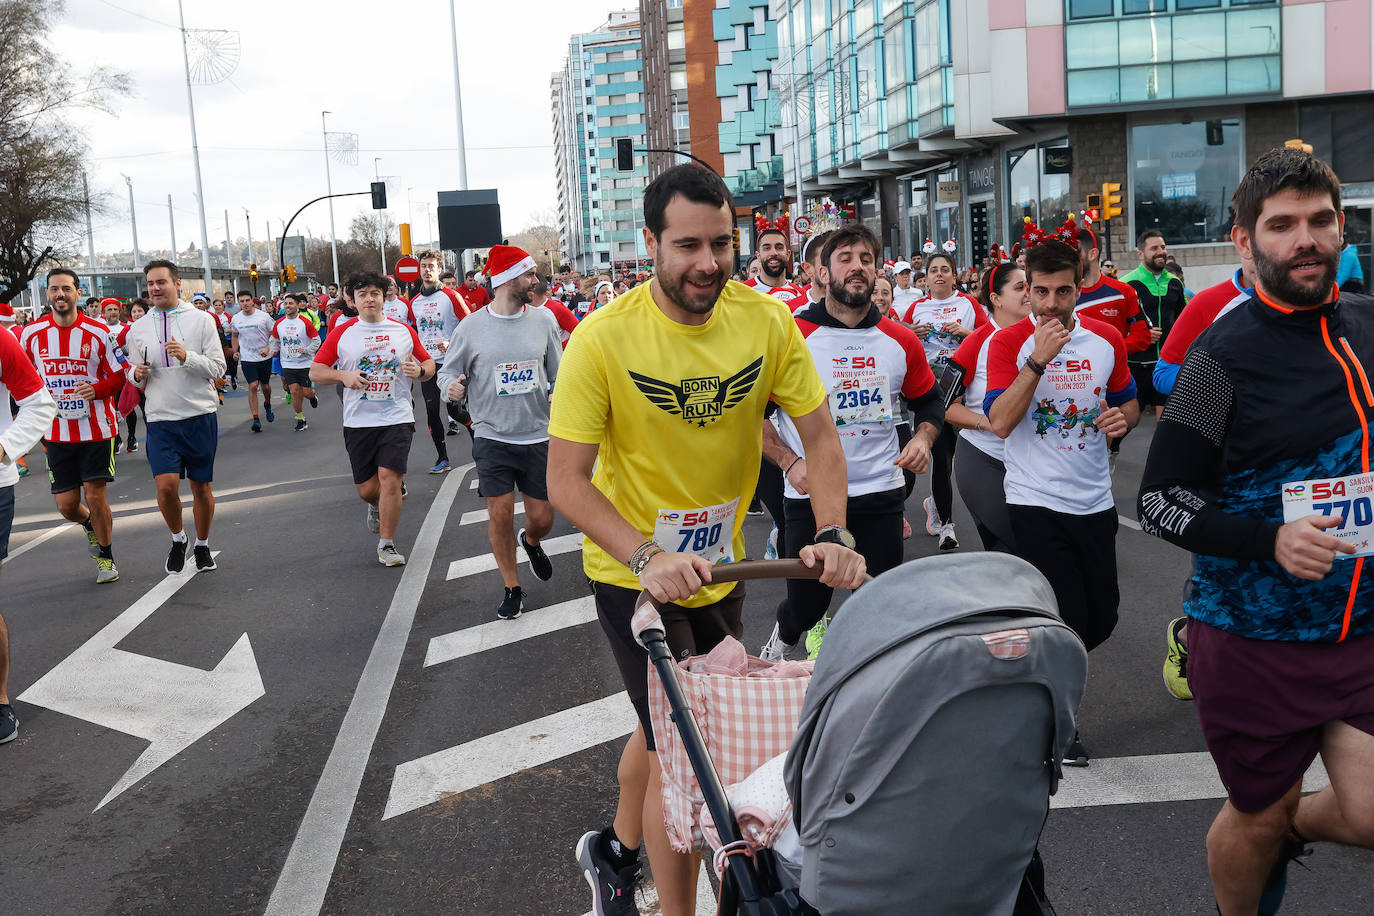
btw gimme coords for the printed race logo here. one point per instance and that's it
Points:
(1295, 490)
(854, 362)
(1071, 365)
(700, 399)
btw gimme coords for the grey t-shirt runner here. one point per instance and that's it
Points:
(511, 363)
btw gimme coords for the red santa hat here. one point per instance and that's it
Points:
(108, 301)
(506, 262)
(6, 312)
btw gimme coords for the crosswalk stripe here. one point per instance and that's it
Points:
(470, 566)
(481, 515)
(1152, 778)
(648, 896)
(473, 485)
(530, 744)
(499, 633)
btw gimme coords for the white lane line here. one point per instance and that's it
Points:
(473, 485)
(1150, 779)
(304, 879)
(1128, 522)
(530, 744)
(499, 633)
(470, 566)
(480, 515)
(45, 536)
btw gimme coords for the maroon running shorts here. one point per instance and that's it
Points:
(1263, 704)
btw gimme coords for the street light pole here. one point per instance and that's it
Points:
(247, 219)
(172, 224)
(458, 116)
(381, 220)
(228, 259)
(195, 157)
(90, 237)
(133, 221)
(329, 188)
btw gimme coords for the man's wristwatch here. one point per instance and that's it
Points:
(834, 534)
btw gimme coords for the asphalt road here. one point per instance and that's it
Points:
(304, 731)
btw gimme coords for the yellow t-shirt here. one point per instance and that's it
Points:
(676, 411)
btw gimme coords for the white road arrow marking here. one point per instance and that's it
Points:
(470, 566)
(481, 515)
(499, 633)
(171, 706)
(427, 780)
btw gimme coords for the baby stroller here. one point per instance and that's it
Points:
(886, 824)
(962, 652)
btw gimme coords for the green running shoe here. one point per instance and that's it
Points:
(814, 637)
(1176, 662)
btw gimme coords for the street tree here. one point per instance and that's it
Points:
(42, 155)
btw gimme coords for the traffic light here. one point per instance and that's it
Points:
(1094, 202)
(624, 154)
(379, 195)
(735, 234)
(253, 272)
(288, 274)
(1111, 199)
(1299, 144)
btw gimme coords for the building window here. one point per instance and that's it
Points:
(682, 120)
(677, 79)
(676, 38)
(1182, 178)
(1034, 190)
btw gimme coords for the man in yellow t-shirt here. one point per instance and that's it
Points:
(654, 454)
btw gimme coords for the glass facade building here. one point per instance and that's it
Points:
(746, 45)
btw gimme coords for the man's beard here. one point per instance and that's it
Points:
(56, 306)
(774, 268)
(1278, 282)
(675, 288)
(841, 294)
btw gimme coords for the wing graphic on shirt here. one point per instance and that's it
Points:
(699, 399)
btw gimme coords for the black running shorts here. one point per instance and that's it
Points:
(70, 464)
(373, 447)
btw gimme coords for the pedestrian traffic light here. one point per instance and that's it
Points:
(379, 195)
(253, 272)
(624, 154)
(1299, 144)
(735, 234)
(1111, 199)
(1094, 202)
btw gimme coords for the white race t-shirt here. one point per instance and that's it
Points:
(377, 350)
(937, 313)
(436, 315)
(971, 361)
(253, 331)
(297, 341)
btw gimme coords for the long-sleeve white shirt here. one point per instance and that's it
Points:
(177, 390)
(19, 380)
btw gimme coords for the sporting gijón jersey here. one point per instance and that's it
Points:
(295, 339)
(1208, 306)
(436, 314)
(1115, 303)
(864, 369)
(787, 292)
(67, 357)
(18, 380)
(377, 350)
(967, 373)
(1056, 456)
(937, 313)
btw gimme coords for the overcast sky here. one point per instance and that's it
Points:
(384, 71)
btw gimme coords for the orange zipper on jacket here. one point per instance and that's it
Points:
(1364, 452)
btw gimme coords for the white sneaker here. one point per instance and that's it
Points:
(771, 551)
(374, 519)
(932, 517)
(775, 650)
(1111, 463)
(390, 556)
(947, 539)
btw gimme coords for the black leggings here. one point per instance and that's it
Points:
(941, 472)
(874, 519)
(1077, 553)
(980, 478)
(769, 492)
(434, 416)
(903, 437)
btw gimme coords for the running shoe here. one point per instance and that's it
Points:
(932, 517)
(257, 425)
(267, 409)
(771, 551)
(176, 557)
(302, 424)
(314, 401)
(390, 556)
(1076, 755)
(775, 650)
(1111, 463)
(1294, 850)
(234, 382)
(133, 445)
(105, 570)
(539, 560)
(23, 468)
(9, 723)
(755, 507)
(404, 491)
(204, 561)
(118, 444)
(613, 889)
(906, 529)
(513, 605)
(947, 539)
(815, 636)
(1176, 661)
(452, 427)
(288, 397)
(442, 467)
(374, 519)
(91, 538)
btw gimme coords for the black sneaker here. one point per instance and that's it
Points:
(257, 425)
(755, 507)
(133, 445)
(539, 560)
(9, 723)
(234, 382)
(301, 424)
(512, 605)
(176, 557)
(1077, 754)
(452, 427)
(1294, 850)
(613, 890)
(204, 561)
(118, 444)
(314, 401)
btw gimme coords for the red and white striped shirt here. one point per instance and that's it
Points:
(71, 356)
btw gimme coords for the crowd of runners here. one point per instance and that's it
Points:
(823, 386)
